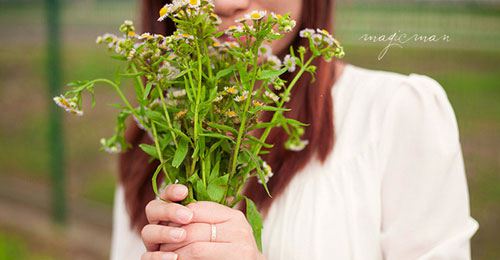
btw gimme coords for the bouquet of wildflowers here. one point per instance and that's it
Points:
(200, 98)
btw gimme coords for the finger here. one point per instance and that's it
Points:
(202, 232)
(159, 256)
(212, 212)
(158, 210)
(154, 235)
(174, 192)
(216, 251)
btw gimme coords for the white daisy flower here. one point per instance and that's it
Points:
(68, 104)
(234, 29)
(194, 3)
(306, 33)
(242, 97)
(296, 146)
(231, 44)
(272, 96)
(146, 36)
(274, 61)
(265, 50)
(177, 92)
(138, 122)
(276, 16)
(131, 54)
(99, 39)
(267, 171)
(256, 15)
(218, 98)
(290, 63)
(111, 148)
(317, 39)
(231, 90)
(231, 114)
(168, 71)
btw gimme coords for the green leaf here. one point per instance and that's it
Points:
(215, 170)
(179, 133)
(201, 191)
(295, 122)
(180, 153)
(155, 176)
(132, 75)
(215, 135)
(223, 127)
(269, 108)
(254, 139)
(155, 116)
(217, 188)
(255, 220)
(268, 74)
(148, 90)
(150, 149)
(263, 125)
(224, 72)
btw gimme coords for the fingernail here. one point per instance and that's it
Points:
(184, 214)
(180, 190)
(169, 256)
(176, 233)
(162, 189)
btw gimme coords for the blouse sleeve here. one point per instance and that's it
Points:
(425, 201)
(125, 242)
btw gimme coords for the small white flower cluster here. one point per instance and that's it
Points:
(128, 28)
(231, 90)
(290, 62)
(242, 97)
(267, 171)
(272, 96)
(255, 15)
(177, 92)
(320, 36)
(265, 50)
(183, 36)
(285, 23)
(323, 41)
(274, 62)
(138, 121)
(234, 29)
(68, 104)
(167, 71)
(111, 147)
(176, 5)
(296, 145)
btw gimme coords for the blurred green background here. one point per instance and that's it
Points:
(468, 67)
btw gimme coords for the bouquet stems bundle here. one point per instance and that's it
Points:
(200, 98)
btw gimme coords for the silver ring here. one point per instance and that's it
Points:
(213, 235)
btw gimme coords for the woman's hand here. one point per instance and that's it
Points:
(189, 230)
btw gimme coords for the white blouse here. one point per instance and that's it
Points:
(394, 186)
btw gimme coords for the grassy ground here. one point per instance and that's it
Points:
(467, 67)
(14, 247)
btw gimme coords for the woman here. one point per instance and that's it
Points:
(381, 178)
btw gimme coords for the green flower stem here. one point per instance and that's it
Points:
(117, 88)
(139, 82)
(197, 107)
(167, 116)
(138, 79)
(158, 150)
(281, 103)
(241, 131)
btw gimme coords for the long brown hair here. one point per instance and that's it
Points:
(311, 103)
